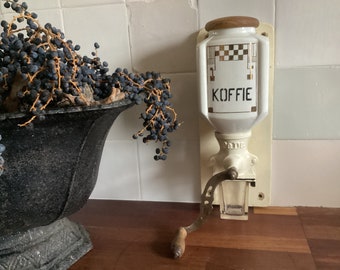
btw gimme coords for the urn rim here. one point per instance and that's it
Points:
(70, 109)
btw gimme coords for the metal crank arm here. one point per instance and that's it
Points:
(206, 207)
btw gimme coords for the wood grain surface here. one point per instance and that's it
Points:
(137, 235)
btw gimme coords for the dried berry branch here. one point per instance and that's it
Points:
(40, 69)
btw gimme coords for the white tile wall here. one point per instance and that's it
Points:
(160, 35)
(307, 32)
(184, 88)
(35, 5)
(307, 103)
(119, 172)
(43, 4)
(52, 15)
(177, 179)
(105, 24)
(306, 173)
(86, 3)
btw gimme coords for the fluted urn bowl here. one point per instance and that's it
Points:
(50, 172)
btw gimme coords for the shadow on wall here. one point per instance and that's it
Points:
(173, 58)
(174, 62)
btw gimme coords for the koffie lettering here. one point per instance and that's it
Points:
(231, 94)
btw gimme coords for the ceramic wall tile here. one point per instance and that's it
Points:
(306, 173)
(52, 16)
(82, 24)
(306, 103)
(212, 9)
(176, 179)
(118, 176)
(82, 3)
(47, 12)
(42, 4)
(162, 35)
(34, 5)
(307, 32)
(127, 124)
(185, 101)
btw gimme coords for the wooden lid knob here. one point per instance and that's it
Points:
(232, 22)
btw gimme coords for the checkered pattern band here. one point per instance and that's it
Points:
(232, 52)
(246, 52)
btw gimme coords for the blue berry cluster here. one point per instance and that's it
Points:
(41, 69)
(159, 116)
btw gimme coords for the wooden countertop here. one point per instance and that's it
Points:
(137, 235)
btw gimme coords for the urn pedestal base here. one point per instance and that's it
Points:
(53, 247)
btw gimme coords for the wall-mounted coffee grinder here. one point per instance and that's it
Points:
(233, 72)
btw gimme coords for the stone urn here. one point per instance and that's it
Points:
(50, 172)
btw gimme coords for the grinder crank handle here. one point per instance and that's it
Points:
(207, 198)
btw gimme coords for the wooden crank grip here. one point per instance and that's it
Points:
(178, 243)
